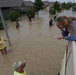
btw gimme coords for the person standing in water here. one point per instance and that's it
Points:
(17, 24)
(29, 17)
(50, 22)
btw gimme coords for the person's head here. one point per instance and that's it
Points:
(19, 66)
(62, 22)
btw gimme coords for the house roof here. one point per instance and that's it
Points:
(46, 3)
(10, 3)
(51, 4)
(28, 3)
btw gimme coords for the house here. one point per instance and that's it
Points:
(51, 5)
(46, 3)
(7, 5)
(28, 5)
(74, 8)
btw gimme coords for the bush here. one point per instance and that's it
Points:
(67, 7)
(52, 11)
(30, 12)
(13, 15)
(23, 12)
(1, 26)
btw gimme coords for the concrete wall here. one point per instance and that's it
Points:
(68, 66)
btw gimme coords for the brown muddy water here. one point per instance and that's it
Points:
(35, 43)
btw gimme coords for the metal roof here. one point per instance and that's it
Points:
(10, 3)
(28, 3)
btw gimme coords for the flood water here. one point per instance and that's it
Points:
(35, 43)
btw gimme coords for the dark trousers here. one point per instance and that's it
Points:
(17, 25)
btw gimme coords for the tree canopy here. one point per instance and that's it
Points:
(56, 5)
(38, 5)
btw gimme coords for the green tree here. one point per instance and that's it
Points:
(59, 10)
(66, 5)
(74, 4)
(38, 5)
(69, 4)
(52, 11)
(63, 5)
(56, 6)
(13, 15)
(30, 12)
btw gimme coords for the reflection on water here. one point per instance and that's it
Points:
(35, 43)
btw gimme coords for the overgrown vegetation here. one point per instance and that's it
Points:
(52, 11)
(38, 5)
(66, 5)
(56, 6)
(13, 15)
(30, 12)
(1, 26)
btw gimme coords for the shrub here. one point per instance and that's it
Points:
(13, 15)
(1, 26)
(23, 12)
(30, 12)
(52, 11)
(67, 7)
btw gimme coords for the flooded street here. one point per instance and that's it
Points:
(35, 43)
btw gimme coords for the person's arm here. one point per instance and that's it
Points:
(70, 38)
(5, 40)
(66, 37)
(64, 33)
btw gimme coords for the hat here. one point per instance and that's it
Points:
(16, 65)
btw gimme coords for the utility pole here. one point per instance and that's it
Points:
(5, 27)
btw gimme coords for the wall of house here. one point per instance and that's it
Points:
(17, 9)
(26, 8)
(5, 12)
